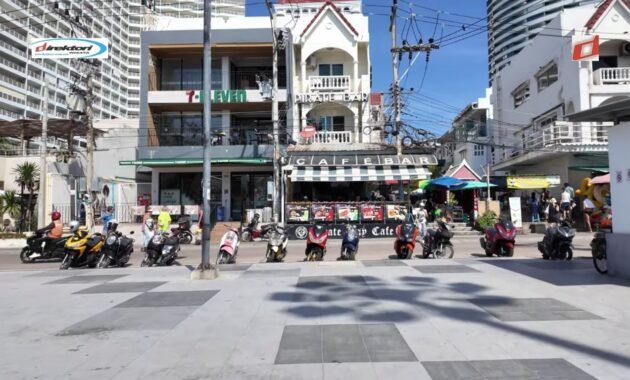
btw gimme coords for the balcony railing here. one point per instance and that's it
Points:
(612, 76)
(561, 137)
(325, 137)
(329, 83)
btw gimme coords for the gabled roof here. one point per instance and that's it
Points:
(601, 9)
(336, 10)
(463, 171)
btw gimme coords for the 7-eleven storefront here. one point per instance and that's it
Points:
(238, 185)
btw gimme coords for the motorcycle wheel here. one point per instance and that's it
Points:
(67, 260)
(24, 255)
(147, 262)
(186, 238)
(246, 236)
(104, 261)
(600, 261)
(569, 254)
(314, 256)
(509, 252)
(222, 258)
(352, 255)
(270, 256)
(446, 253)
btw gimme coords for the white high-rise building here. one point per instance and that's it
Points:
(194, 8)
(513, 24)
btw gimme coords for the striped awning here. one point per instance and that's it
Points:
(358, 173)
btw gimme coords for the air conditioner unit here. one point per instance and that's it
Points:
(625, 49)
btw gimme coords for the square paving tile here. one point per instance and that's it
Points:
(88, 279)
(351, 343)
(125, 319)
(169, 299)
(557, 369)
(531, 309)
(121, 287)
(271, 273)
(436, 269)
(234, 267)
(383, 263)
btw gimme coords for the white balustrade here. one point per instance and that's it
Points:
(329, 83)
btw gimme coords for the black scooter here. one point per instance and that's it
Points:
(161, 250)
(558, 242)
(54, 249)
(116, 251)
(183, 232)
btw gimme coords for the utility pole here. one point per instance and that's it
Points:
(275, 117)
(488, 187)
(43, 167)
(205, 270)
(89, 111)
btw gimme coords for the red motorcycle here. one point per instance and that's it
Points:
(252, 231)
(316, 243)
(500, 239)
(406, 235)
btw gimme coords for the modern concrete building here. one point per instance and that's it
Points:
(513, 24)
(194, 8)
(543, 84)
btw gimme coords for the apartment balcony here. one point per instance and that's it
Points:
(612, 76)
(326, 137)
(557, 138)
(329, 83)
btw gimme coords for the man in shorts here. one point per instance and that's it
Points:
(565, 203)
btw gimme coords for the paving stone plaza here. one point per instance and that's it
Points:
(386, 319)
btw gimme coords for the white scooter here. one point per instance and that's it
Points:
(228, 247)
(277, 244)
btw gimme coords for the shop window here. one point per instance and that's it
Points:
(182, 129)
(249, 191)
(521, 94)
(330, 69)
(547, 76)
(187, 74)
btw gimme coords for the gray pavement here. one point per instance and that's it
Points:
(468, 318)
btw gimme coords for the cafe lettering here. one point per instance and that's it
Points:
(332, 97)
(363, 160)
(218, 96)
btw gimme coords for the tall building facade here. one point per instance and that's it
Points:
(194, 8)
(513, 24)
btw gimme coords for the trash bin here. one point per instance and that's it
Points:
(219, 213)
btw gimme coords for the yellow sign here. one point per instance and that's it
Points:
(532, 182)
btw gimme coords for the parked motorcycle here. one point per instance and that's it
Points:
(162, 250)
(349, 243)
(437, 243)
(557, 243)
(316, 241)
(82, 249)
(598, 249)
(117, 248)
(406, 235)
(183, 232)
(228, 247)
(500, 239)
(54, 248)
(277, 244)
(252, 231)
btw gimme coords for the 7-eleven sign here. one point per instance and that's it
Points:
(586, 49)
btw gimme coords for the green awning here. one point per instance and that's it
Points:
(601, 168)
(195, 161)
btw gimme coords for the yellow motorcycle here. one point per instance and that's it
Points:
(82, 249)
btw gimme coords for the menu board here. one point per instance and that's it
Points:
(396, 212)
(323, 213)
(372, 213)
(296, 213)
(348, 212)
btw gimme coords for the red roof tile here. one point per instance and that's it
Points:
(321, 10)
(601, 9)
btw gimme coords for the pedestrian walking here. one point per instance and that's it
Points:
(146, 234)
(164, 220)
(587, 208)
(565, 203)
(534, 208)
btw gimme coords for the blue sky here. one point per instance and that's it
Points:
(457, 74)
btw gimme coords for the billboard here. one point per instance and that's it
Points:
(586, 48)
(60, 48)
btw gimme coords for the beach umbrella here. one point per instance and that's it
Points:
(470, 185)
(447, 182)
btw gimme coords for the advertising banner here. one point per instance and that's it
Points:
(396, 213)
(298, 214)
(64, 48)
(335, 231)
(191, 210)
(532, 182)
(373, 213)
(515, 212)
(347, 212)
(323, 212)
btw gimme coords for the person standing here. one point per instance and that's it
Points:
(554, 211)
(144, 228)
(587, 208)
(565, 203)
(534, 208)
(106, 217)
(164, 220)
(569, 189)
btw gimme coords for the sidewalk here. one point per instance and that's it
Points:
(336, 320)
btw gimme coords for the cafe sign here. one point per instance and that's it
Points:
(363, 160)
(347, 97)
(218, 96)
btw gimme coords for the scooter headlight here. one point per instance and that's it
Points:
(275, 248)
(110, 240)
(167, 249)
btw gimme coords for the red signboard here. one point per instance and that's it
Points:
(323, 213)
(586, 50)
(372, 213)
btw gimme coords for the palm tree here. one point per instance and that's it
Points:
(9, 204)
(27, 176)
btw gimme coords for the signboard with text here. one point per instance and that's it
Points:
(372, 213)
(323, 212)
(360, 160)
(64, 48)
(335, 231)
(347, 212)
(347, 97)
(298, 213)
